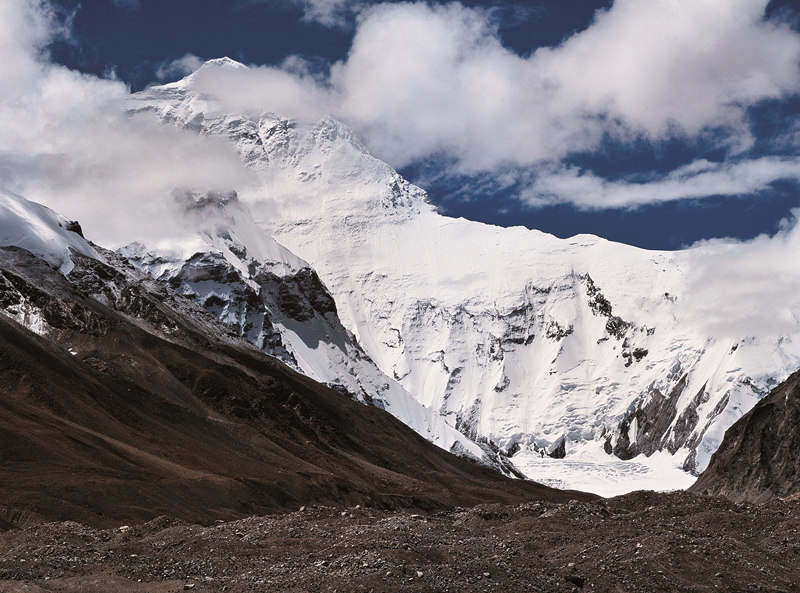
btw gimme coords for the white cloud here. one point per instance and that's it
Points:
(23, 34)
(292, 90)
(66, 141)
(699, 179)
(664, 67)
(178, 67)
(330, 13)
(423, 80)
(746, 288)
(427, 80)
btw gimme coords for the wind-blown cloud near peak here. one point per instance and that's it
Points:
(436, 80)
(425, 80)
(67, 141)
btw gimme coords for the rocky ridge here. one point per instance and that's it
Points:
(759, 458)
(124, 400)
(275, 300)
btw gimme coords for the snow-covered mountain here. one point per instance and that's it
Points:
(261, 290)
(577, 348)
(276, 301)
(41, 231)
(36, 229)
(128, 400)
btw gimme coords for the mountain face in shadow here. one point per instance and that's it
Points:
(129, 402)
(759, 458)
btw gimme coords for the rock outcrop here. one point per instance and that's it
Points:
(759, 458)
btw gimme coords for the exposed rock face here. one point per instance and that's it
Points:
(759, 458)
(29, 296)
(646, 429)
(238, 303)
(275, 300)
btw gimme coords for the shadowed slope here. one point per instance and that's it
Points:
(759, 458)
(144, 405)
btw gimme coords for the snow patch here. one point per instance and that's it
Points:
(590, 469)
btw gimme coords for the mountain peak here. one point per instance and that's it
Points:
(216, 65)
(223, 62)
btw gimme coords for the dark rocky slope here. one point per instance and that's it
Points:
(137, 403)
(759, 458)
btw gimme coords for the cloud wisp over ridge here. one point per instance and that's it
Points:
(699, 179)
(66, 140)
(425, 80)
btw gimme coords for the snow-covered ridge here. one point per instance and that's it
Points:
(41, 231)
(231, 267)
(275, 300)
(540, 345)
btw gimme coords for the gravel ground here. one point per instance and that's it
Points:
(640, 542)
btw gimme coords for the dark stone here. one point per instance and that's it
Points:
(616, 327)
(556, 332)
(687, 421)
(74, 227)
(597, 302)
(560, 450)
(575, 580)
(653, 418)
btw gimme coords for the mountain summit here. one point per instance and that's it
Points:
(575, 357)
(224, 62)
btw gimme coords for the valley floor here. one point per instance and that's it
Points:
(638, 542)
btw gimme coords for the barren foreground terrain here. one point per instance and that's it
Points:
(639, 542)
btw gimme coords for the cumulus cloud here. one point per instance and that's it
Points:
(66, 141)
(748, 288)
(421, 79)
(425, 80)
(435, 80)
(328, 13)
(698, 179)
(428, 81)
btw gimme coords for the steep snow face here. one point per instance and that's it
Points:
(275, 300)
(234, 269)
(546, 347)
(49, 236)
(41, 231)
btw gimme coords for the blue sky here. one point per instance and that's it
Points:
(633, 120)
